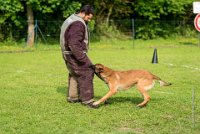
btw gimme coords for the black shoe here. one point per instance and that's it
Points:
(91, 105)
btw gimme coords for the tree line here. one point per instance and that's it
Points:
(105, 10)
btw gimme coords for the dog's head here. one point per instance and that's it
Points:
(98, 68)
(102, 71)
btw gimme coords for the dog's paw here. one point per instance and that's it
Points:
(141, 105)
(95, 103)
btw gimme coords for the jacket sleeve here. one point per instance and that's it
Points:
(75, 39)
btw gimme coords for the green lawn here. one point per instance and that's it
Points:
(33, 90)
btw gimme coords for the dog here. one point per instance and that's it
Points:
(122, 80)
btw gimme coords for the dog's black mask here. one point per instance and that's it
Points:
(98, 70)
(92, 66)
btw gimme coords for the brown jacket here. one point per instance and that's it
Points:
(74, 38)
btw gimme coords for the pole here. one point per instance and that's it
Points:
(199, 39)
(42, 34)
(133, 32)
(36, 25)
(193, 108)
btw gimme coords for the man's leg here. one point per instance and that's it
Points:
(85, 85)
(72, 95)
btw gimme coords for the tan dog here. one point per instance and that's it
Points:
(119, 80)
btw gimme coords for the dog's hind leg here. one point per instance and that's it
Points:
(142, 89)
(143, 86)
(146, 97)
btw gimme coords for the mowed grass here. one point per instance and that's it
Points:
(33, 91)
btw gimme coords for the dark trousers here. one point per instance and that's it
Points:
(80, 84)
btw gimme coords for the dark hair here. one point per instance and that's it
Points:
(87, 9)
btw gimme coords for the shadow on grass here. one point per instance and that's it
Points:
(113, 99)
(188, 43)
(117, 99)
(62, 90)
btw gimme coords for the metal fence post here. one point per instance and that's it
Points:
(199, 39)
(133, 32)
(193, 108)
(41, 33)
(36, 24)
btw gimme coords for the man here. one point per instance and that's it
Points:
(74, 41)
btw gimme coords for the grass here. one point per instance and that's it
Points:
(33, 90)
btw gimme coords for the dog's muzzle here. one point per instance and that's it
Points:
(92, 66)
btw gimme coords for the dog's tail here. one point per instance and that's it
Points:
(162, 83)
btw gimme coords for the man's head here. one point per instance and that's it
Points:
(86, 12)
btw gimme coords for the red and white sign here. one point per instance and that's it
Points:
(197, 22)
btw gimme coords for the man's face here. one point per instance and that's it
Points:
(87, 18)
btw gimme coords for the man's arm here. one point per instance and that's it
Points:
(74, 37)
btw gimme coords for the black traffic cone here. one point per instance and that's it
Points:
(155, 57)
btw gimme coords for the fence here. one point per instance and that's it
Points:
(50, 30)
(133, 28)
(146, 29)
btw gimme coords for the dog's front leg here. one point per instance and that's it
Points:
(111, 92)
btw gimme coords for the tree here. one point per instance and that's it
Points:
(107, 9)
(8, 10)
(17, 10)
(161, 9)
(156, 10)
(14, 10)
(46, 7)
(31, 30)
